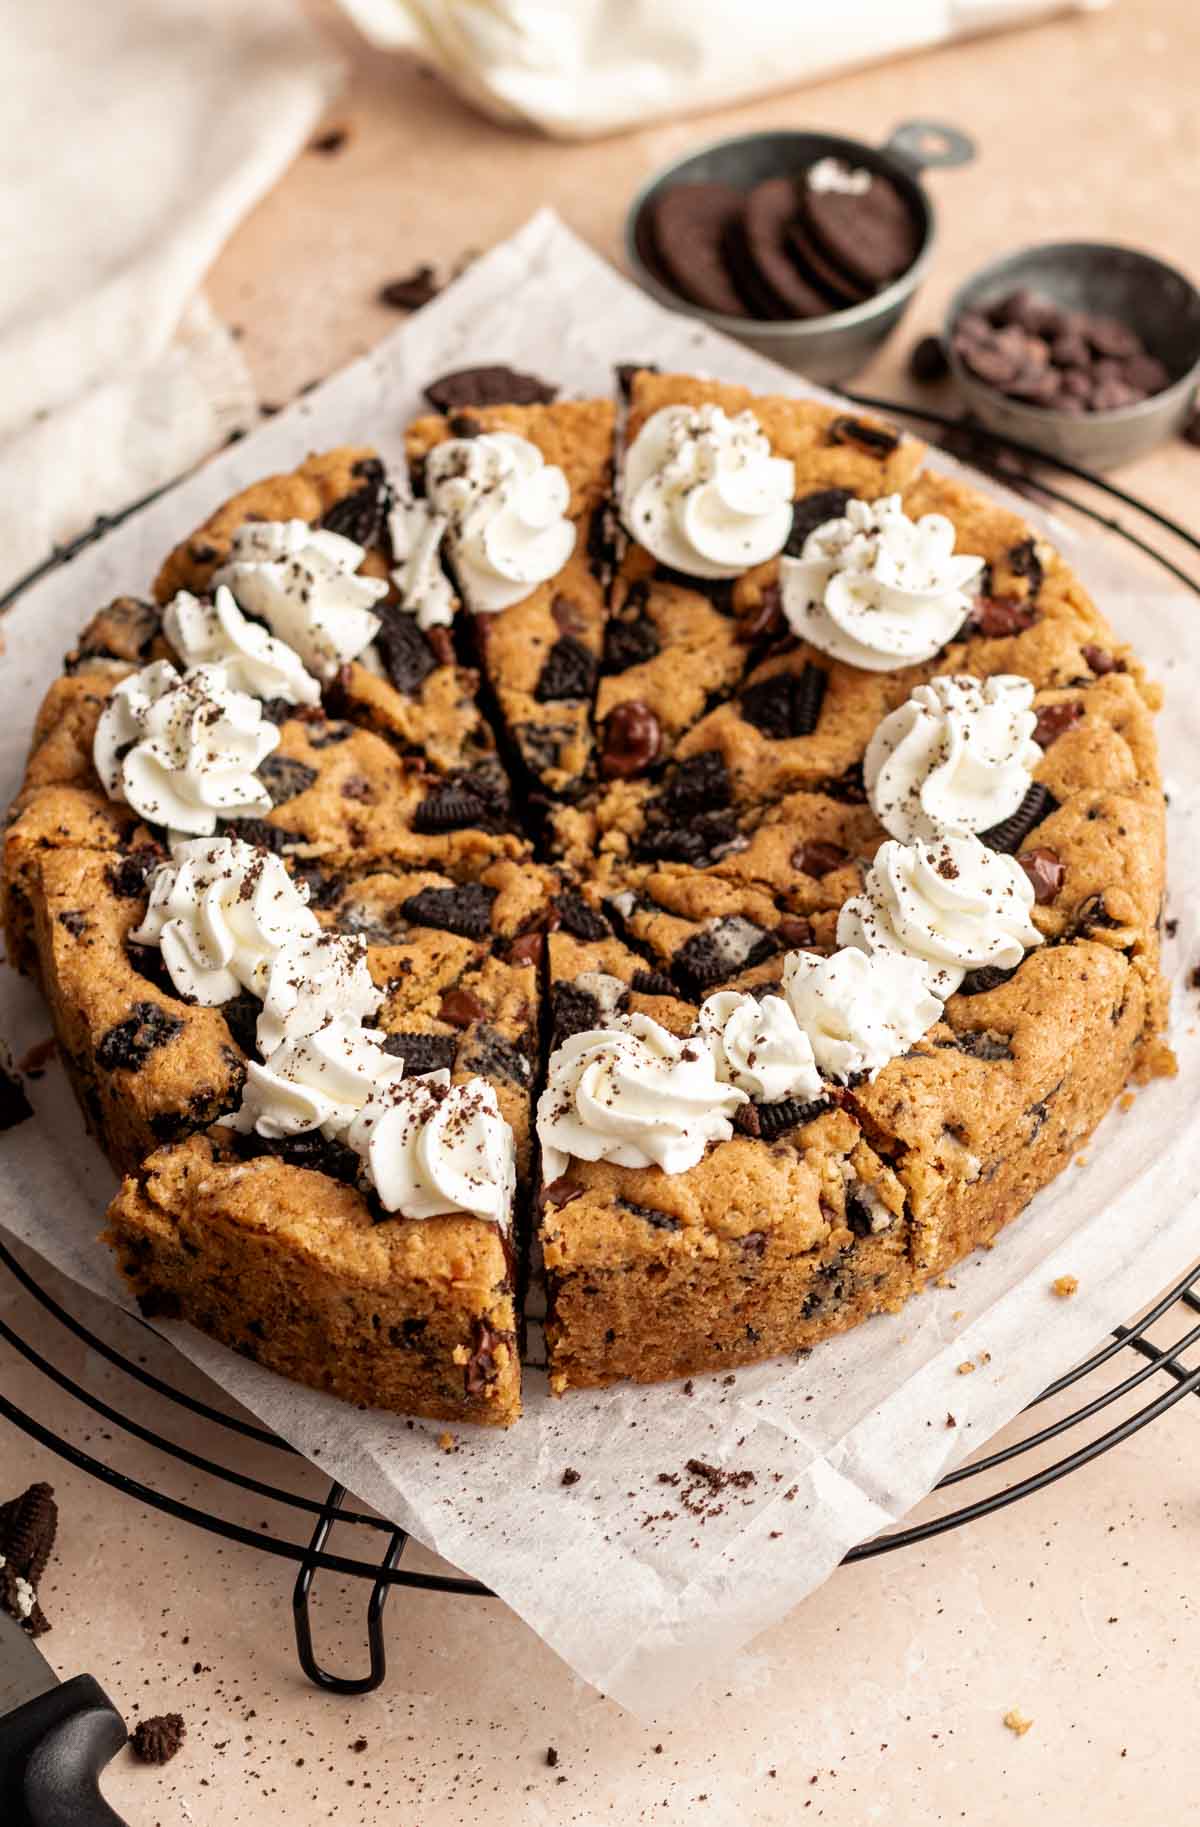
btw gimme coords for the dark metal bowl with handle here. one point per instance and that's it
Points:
(833, 347)
(1096, 276)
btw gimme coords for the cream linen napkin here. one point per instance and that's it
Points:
(137, 134)
(576, 68)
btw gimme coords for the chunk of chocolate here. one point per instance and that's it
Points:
(631, 740)
(1054, 720)
(1046, 871)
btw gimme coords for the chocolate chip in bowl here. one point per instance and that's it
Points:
(1086, 350)
(807, 246)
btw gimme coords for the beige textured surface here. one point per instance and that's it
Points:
(1077, 1608)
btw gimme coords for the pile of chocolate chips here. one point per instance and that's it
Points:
(791, 247)
(1034, 350)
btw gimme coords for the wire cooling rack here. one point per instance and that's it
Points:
(1139, 1373)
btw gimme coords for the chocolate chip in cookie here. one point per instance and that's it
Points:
(631, 740)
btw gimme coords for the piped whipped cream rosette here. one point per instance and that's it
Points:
(957, 757)
(432, 1148)
(304, 582)
(311, 978)
(758, 1045)
(876, 589)
(416, 532)
(954, 904)
(220, 911)
(183, 750)
(505, 508)
(703, 492)
(859, 1010)
(633, 1094)
(216, 633)
(319, 1081)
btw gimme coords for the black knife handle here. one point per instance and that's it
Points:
(53, 1751)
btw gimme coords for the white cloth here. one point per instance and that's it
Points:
(137, 134)
(576, 68)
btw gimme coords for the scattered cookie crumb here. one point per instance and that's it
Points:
(551, 1756)
(571, 1476)
(411, 291)
(447, 1442)
(34, 1063)
(965, 1368)
(1016, 1722)
(156, 1740)
(359, 1745)
(330, 142)
(1064, 1286)
(951, 1421)
(1194, 977)
(1126, 1101)
(28, 1526)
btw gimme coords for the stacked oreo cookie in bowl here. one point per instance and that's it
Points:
(790, 247)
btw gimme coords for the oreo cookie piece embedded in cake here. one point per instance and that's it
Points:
(540, 655)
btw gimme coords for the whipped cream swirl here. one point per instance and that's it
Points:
(310, 979)
(506, 509)
(433, 1148)
(219, 912)
(319, 1081)
(955, 905)
(760, 1047)
(416, 533)
(876, 589)
(702, 492)
(858, 1009)
(303, 582)
(957, 757)
(253, 661)
(633, 1094)
(182, 751)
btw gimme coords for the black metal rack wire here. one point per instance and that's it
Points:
(1133, 1379)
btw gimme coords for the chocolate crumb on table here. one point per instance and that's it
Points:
(571, 1476)
(551, 1756)
(157, 1740)
(410, 292)
(14, 1105)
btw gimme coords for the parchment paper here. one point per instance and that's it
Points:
(840, 1444)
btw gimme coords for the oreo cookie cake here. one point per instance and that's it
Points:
(680, 840)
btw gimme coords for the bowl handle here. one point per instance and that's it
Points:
(928, 145)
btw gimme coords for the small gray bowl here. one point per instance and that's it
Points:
(1099, 276)
(833, 347)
